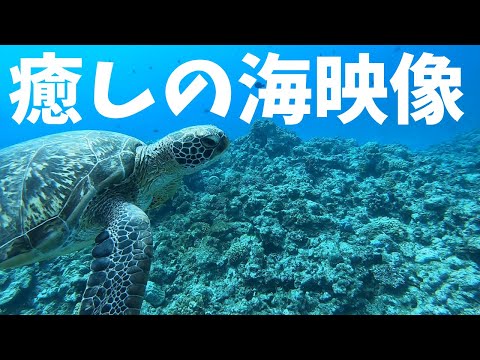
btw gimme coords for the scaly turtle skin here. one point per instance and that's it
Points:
(63, 192)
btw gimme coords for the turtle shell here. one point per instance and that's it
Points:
(46, 184)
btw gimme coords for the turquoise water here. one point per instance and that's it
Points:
(319, 217)
(137, 68)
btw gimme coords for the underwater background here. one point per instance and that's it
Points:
(315, 218)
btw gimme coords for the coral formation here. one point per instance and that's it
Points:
(285, 226)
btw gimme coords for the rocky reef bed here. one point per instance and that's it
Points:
(285, 226)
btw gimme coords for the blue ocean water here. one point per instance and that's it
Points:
(140, 67)
(319, 217)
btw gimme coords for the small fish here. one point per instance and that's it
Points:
(150, 67)
(155, 130)
(259, 85)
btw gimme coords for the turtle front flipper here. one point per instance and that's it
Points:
(121, 265)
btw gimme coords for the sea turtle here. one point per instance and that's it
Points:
(63, 192)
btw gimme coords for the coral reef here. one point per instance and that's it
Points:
(285, 226)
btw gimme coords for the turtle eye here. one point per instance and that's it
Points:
(210, 141)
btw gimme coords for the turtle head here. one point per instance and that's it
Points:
(196, 147)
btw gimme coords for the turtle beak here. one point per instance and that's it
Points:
(223, 144)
